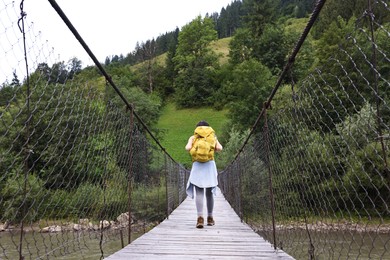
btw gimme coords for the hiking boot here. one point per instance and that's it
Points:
(200, 222)
(210, 221)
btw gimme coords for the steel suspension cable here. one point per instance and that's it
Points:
(102, 70)
(290, 62)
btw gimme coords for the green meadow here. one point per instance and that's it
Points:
(178, 125)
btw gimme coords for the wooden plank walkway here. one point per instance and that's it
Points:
(177, 238)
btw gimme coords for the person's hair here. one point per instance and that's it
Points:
(202, 123)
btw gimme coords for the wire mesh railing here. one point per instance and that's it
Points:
(313, 177)
(80, 175)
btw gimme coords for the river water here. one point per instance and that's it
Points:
(86, 245)
(68, 245)
(336, 244)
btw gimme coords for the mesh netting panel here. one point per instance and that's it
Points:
(314, 178)
(74, 162)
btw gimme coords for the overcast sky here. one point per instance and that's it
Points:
(114, 27)
(108, 27)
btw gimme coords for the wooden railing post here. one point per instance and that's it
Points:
(241, 211)
(166, 187)
(271, 193)
(130, 175)
(28, 151)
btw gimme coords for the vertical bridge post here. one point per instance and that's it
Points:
(267, 151)
(130, 175)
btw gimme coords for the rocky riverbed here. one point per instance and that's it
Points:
(122, 221)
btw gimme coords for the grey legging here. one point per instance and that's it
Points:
(200, 198)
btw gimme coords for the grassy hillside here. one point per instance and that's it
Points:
(221, 47)
(179, 125)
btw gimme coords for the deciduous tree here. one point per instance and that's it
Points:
(195, 62)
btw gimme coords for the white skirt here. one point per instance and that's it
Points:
(203, 175)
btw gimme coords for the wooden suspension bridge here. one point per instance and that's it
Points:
(177, 238)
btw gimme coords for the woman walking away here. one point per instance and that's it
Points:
(203, 176)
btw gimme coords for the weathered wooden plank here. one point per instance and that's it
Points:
(177, 238)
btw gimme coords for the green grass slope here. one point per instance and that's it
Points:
(220, 46)
(179, 124)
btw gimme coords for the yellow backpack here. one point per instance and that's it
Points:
(203, 145)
